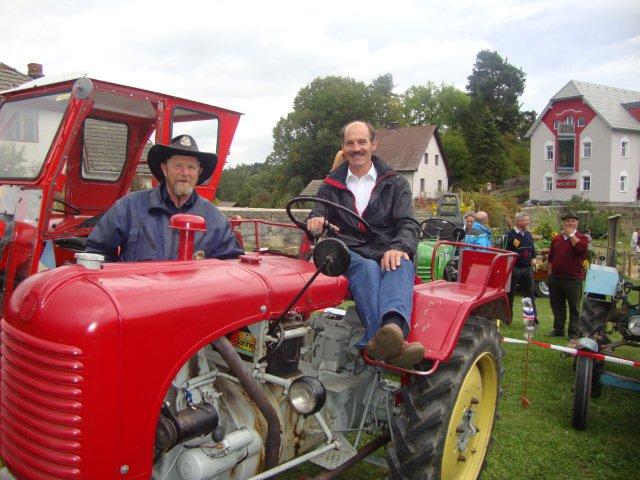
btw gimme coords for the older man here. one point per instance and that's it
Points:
(381, 272)
(136, 228)
(520, 241)
(566, 257)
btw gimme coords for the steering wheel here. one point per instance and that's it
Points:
(73, 209)
(441, 229)
(331, 207)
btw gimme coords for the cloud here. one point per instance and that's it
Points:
(254, 56)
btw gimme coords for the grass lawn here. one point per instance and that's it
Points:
(539, 442)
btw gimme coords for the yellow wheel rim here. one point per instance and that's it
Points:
(471, 422)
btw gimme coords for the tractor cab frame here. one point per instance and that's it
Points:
(69, 148)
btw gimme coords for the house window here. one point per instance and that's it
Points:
(548, 151)
(426, 158)
(624, 181)
(548, 183)
(437, 159)
(624, 148)
(586, 149)
(585, 181)
(569, 120)
(439, 182)
(555, 124)
(581, 121)
(566, 154)
(422, 185)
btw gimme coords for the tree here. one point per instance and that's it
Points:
(432, 105)
(386, 105)
(498, 84)
(459, 157)
(485, 144)
(307, 139)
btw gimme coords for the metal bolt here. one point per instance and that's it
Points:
(459, 430)
(462, 458)
(474, 450)
(124, 469)
(263, 308)
(474, 401)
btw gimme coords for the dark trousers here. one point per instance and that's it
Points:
(563, 292)
(523, 278)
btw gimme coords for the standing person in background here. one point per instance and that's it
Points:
(482, 224)
(566, 256)
(635, 248)
(520, 241)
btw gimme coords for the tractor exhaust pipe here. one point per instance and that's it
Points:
(253, 389)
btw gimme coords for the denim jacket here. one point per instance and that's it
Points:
(139, 224)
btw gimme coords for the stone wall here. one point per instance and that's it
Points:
(630, 215)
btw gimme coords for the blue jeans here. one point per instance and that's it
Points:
(377, 293)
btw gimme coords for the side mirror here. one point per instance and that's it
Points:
(331, 257)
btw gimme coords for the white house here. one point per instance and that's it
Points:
(587, 142)
(417, 154)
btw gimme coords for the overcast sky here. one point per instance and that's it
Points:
(254, 56)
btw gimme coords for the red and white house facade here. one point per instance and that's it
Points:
(587, 142)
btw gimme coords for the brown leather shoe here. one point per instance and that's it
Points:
(410, 354)
(386, 343)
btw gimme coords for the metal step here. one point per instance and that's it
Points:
(334, 458)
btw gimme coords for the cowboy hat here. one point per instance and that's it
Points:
(181, 145)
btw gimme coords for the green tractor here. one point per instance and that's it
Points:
(447, 224)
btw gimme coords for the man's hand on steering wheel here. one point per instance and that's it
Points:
(317, 226)
(392, 258)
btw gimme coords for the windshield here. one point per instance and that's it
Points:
(27, 128)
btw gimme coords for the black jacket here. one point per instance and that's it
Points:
(388, 213)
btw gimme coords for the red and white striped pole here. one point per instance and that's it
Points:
(575, 351)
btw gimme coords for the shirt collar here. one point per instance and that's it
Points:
(372, 173)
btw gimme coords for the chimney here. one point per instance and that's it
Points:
(35, 70)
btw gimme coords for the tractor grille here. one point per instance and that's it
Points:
(41, 406)
(424, 273)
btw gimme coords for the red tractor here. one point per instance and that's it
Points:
(208, 369)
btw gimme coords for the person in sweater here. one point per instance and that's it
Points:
(566, 256)
(381, 273)
(520, 241)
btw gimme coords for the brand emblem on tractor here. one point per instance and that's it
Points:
(186, 141)
(243, 341)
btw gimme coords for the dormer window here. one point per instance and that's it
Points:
(555, 124)
(581, 121)
(569, 120)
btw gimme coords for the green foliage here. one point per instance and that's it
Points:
(432, 105)
(498, 84)
(498, 209)
(459, 158)
(546, 224)
(307, 139)
(485, 144)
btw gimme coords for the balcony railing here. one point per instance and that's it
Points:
(566, 129)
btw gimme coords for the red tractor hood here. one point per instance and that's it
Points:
(88, 355)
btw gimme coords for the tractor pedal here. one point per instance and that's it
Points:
(334, 458)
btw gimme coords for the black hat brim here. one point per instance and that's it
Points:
(161, 153)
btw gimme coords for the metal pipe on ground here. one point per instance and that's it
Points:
(362, 453)
(253, 389)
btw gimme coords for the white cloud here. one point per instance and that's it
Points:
(253, 56)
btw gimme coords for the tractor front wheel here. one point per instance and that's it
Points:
(542, 289)
(446, 421)
(582, 391)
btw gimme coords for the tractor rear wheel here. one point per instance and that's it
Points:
(582, 391)
(446, 421)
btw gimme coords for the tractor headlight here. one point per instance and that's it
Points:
(307, 395)
(634, 325)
